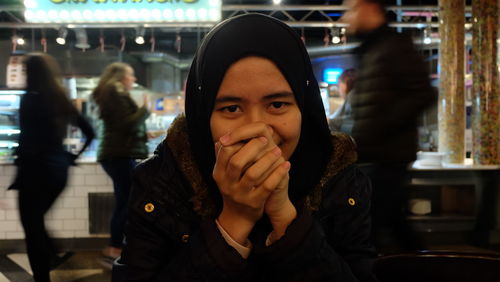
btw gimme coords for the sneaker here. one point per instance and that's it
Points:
(111, 252)
(56, 261)
(106, 262)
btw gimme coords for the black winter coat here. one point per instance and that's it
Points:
(123, 126)
(171, 234)
(391, 90)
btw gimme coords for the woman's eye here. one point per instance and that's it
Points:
(231, 109)
(278, 105)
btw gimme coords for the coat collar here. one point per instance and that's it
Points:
(343, 155)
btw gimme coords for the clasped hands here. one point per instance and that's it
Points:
(252, 176)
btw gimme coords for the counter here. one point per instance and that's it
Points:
(485, 182)
(69, 216)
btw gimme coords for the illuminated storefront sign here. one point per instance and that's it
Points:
(103, 11)
(331, 75)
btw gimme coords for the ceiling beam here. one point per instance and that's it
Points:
(325, 8)
(233, 10)
(307, 24)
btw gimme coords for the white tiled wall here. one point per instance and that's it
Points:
(69, 216)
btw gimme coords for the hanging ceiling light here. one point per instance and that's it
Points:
(43, 41)
(102, 44)
(152, 40)
(427, 35)
(139, 40)
(17, 39)
(61, 38)
(276, 2)
(81, 38)
(335, 35)
(123, 41)
(20, 40)
(326, 38)
(428, 31)
(139, 35)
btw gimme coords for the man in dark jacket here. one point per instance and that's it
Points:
(391, 90)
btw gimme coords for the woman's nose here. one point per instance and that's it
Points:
(256, 115)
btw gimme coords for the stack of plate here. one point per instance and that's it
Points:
(430, 159)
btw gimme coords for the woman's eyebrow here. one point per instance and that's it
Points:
(229, 98)
(225, 99)
(284, 94)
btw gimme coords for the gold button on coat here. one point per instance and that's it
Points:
(149, 207)
(351, 201)
(185, 238)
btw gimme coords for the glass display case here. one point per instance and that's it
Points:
(9, 122)
(164, 109)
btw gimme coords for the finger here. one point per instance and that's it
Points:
(261, 169)
(251, 152)
(283, 183)
(247, 132)
(223, 155)
(246, 156)
(263, 191)
(218, 147)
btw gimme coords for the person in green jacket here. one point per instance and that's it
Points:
(123, 140)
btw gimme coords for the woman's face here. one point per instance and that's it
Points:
(129, 78)
(254, 90)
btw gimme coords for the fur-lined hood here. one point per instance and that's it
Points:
(343, 155)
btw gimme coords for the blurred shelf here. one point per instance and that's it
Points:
(442, 223)
(448, 217)
(422, 182)
(12, 91)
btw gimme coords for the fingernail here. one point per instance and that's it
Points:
(263, 139)
(225, 138)
(277, 151)
(287, 165)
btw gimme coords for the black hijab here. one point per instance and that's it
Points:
(264, 36)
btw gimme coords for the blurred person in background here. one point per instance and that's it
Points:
(42, 163)
(341, 119)
(123, 141)
(391, 91)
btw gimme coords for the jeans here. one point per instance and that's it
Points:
(41, 181)
(120, 171)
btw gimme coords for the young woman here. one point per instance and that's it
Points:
(123, 141)
(249, 185)
(42, 163)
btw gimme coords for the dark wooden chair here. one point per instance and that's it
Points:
(438, 266)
